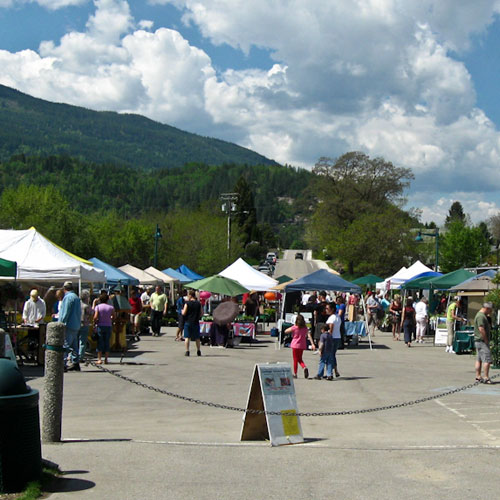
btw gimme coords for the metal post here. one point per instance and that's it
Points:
(53, 387)
(157, 236)
(229, 233)
(437, 250)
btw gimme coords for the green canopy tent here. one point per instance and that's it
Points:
(452, 279)
(443, 282)
(8, 269)
(219, 284)
(422, 283)
(369, 279)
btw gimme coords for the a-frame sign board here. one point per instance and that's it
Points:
(272, 390)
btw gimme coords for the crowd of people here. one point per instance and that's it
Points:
(325, 336)
(409, 317)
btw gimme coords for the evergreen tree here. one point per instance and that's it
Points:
(456, 214)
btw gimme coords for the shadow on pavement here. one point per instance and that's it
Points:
(63, 484)
(97, 440)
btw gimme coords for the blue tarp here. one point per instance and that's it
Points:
(323, 280)
(190, 274)
(177, 275)
(114, 276)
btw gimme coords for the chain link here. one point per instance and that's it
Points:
(299, 414)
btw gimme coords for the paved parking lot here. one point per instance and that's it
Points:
(124, 441)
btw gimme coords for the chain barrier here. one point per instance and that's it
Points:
(299, 414)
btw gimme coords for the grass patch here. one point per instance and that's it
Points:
(35, 489)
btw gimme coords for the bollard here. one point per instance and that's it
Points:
(53, 387)
(2, 343)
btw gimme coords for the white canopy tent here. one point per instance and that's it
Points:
(144, 277)
(165, 278)
(248, 276)
(388, 282)
(38, 259)
(404, 275)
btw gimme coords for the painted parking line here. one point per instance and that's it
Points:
(476, 426)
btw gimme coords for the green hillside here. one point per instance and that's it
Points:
(33, 126)
(94, 187)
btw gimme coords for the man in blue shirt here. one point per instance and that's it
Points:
(70, 315)
(340, 311)
(179, 306)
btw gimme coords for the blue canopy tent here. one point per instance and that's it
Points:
(323, 280)
(190, 274)
(177, 275)
(113, 275)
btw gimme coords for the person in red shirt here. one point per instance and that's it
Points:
(135, 310)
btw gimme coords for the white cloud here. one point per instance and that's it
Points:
(146, 24)
(48, 4)
(371, 75)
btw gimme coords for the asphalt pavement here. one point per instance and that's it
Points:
(296, 268)
(124, 441)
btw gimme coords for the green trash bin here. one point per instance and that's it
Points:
(20, 448)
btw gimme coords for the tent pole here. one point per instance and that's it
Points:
(282, 319)
(366, 321)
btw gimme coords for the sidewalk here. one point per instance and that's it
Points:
(126, 442)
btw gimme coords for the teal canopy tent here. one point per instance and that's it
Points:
(369, 279)
(452, 279)
(8, 268)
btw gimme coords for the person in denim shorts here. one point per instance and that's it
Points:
(482, 342)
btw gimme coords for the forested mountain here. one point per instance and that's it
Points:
(36, 127)
(93, 187)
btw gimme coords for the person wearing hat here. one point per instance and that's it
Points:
(34, 309)
(482, 342)
(451, 317)
(70, 315)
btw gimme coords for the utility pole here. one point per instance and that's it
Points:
(229, 205)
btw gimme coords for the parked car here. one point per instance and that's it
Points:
(299, 255)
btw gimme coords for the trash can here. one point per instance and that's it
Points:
(20, 448)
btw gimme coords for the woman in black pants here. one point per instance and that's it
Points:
(408, 321)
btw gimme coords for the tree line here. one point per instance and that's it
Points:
(348, 210)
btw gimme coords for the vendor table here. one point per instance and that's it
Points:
(242, 329)
(29, 341)
(355, 328)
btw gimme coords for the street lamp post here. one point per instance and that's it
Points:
(433, 235)
(157, 236)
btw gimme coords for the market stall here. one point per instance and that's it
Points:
(143, 277)
(248, 276)
(177, 275)
(183, 269)
(40, 260)
(114, 276)
(324, 280)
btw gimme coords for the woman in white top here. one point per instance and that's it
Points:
(421, 319)
(334, 323)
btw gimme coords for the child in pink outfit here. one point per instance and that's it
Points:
(300, 334)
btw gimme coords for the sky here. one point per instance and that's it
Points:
(413, 81)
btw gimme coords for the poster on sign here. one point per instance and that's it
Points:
(441, 334)
(272, 390)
